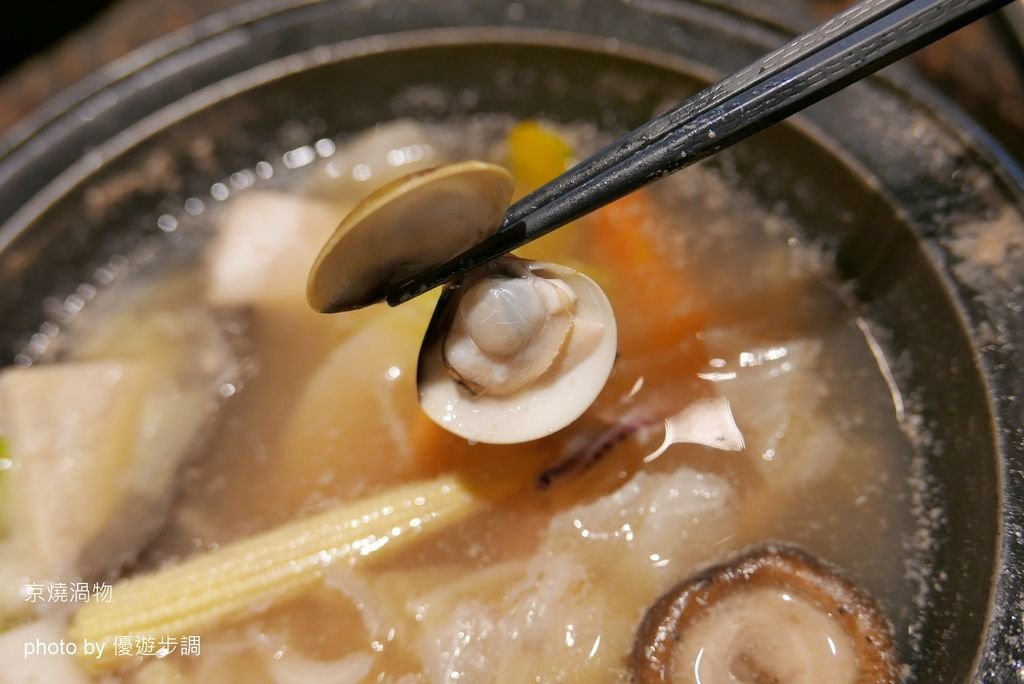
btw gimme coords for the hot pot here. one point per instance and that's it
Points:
(924, 211)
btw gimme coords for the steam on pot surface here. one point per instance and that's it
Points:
(654, 445)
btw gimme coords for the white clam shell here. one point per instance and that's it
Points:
(554, 400)
(416, 222)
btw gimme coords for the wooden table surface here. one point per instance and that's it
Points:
(973, 66)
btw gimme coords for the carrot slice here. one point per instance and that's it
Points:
(649, 291)
(438, 451)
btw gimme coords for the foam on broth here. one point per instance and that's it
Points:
(550, 583)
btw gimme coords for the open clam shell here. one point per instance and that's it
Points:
(515, 350)
(520, 311)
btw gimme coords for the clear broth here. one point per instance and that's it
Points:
(736, 304)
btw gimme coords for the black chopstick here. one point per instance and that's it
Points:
(871, 35)
(839, 26)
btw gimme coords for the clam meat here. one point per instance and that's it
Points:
(515, 352)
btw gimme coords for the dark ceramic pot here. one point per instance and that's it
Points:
(924, 211)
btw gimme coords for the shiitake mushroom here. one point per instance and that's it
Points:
(772, 615)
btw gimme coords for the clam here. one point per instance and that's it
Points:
(516, 349)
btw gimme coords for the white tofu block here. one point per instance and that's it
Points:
(266, 243)
(94, 448)
(386, 152)
(376, 157)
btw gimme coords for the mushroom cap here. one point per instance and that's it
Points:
(550, 400)
(768, 594)
(415, 222)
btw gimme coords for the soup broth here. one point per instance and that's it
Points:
(748, 403)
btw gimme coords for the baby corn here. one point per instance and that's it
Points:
(248, 576)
